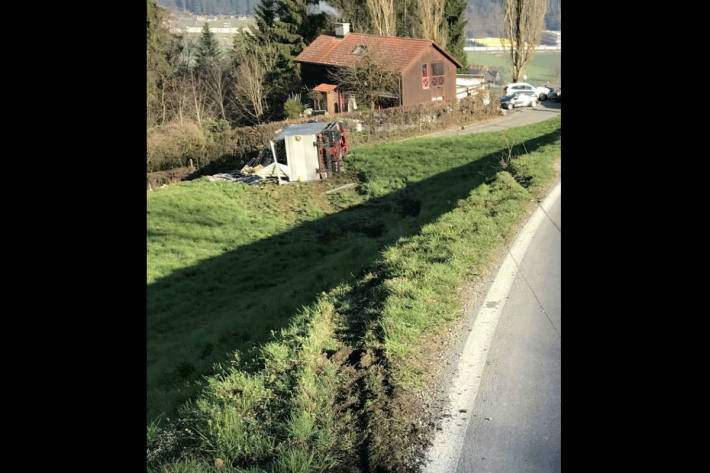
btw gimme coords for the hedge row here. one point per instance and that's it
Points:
(172, 147)
(171, 176)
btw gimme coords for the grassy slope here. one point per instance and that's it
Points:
(540, 71)
(321, 389)
(220, 279)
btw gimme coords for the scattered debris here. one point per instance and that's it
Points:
(251, 169)
(234, 177)
(253, 180)
(222, 176)
(257, 163)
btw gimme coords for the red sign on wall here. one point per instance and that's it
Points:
(437, 81)
(425, 76)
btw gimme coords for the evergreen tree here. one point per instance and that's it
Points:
(287, 31)
(286, 25)
(316, 24)
(265, 15)
(455, 22)
(211, 69)
(295, 27)
(207, 48)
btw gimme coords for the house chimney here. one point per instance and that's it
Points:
(342, 29)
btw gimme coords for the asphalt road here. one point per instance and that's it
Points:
(516, 117)
(515, 421)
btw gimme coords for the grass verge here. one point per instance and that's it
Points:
(334, 388)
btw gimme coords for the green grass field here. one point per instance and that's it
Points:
(224, 270)
(324, 298)
(544, 68)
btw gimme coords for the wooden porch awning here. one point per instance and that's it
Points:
(325, 87)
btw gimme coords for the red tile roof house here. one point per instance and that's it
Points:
(427, 71)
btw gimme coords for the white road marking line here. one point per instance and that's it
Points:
(448, 442)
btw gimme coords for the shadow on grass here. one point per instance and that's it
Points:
(201, 314)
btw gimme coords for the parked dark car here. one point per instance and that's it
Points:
(546, 90)
(556, 95)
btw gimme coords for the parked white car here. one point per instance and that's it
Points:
(541, 93)
(522, 98)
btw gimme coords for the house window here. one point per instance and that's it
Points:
(437, 79)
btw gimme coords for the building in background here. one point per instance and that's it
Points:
(427, 71)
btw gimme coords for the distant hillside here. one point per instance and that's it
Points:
(213, 7)
(553, 20)
(485, 16)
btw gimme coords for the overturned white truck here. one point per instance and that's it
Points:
(305, 152)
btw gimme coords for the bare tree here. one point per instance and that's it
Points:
(249, 97)
(215, 80)
(368, 78)
(185, 94)
(178, 98)
(198, 96)
(429, 24)
(382, 15)
(523, 22)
